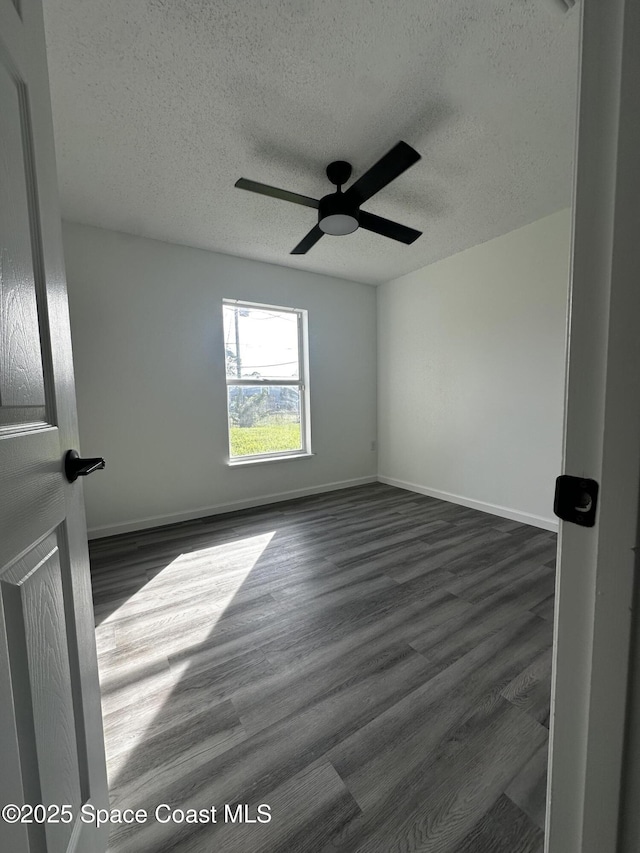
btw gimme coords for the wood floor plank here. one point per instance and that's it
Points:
(487, 553)
(189, 740)
(503, 829)
(528, 790)
(545, 608)
(436, 806)
(305, 811)
(484, 582)
(530, 690)
(390, 627)
(252, 768)
(400, 740)
(453, 639)
(177, 699)
(295, 687)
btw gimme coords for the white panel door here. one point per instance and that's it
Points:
(51, 740)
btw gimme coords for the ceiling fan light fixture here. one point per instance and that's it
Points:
(337, 215)
(338, 224)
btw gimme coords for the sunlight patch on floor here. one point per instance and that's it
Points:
(131, 678)
(218, 570)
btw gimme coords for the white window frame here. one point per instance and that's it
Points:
(302, 383)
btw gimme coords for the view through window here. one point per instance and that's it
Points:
(266, 383)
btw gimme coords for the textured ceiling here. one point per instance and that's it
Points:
(160, 105)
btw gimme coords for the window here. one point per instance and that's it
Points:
(267, 388)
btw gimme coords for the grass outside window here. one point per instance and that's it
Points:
(268, 438)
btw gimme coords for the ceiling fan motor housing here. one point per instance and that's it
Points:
(338, 215)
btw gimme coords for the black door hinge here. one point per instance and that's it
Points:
(576, 499)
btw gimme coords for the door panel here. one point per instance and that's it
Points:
(32, 501)
(51, 738)
(22, 396)
(38, 652)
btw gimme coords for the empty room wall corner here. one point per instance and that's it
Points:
(471, 373)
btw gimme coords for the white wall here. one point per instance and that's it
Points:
(471, 373)
(146, 322)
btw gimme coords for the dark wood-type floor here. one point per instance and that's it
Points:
(372, 664)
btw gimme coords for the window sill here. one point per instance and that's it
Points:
(241, 463)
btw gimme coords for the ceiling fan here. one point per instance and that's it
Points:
(339, 212)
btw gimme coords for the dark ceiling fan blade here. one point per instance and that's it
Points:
(394, 163)
(387, 228)
(307, 242)
(274, 192)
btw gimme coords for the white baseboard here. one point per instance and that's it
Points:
(217, 509)
(202, 512)
(503, 511)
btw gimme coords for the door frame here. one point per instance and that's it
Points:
(596, 569)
